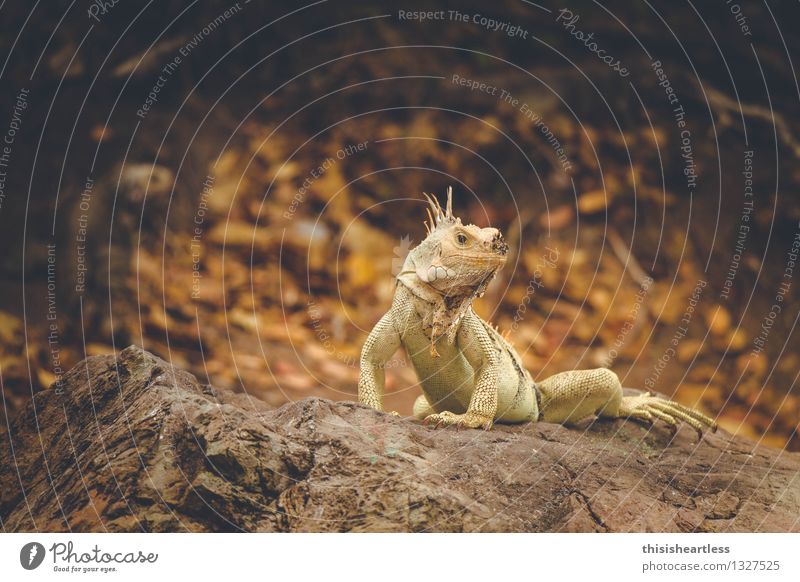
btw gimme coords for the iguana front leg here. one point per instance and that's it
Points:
(381, 343)
(572, 396)
(481, 353)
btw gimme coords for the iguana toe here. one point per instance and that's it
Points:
(467, 420)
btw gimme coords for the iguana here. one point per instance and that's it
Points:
(470, 375)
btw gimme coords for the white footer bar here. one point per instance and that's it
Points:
(374, 557)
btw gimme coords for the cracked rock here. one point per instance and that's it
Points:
(133, 444)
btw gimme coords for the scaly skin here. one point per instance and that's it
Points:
(470, 375)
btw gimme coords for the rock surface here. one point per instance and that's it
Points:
(136, 445)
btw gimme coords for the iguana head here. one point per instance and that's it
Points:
(455, 259)
(453, 265)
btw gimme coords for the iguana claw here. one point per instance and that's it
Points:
(467, 420)
(649, 408)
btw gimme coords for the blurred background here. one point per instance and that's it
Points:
(234, 185)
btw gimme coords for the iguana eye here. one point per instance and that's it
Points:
(461, 238)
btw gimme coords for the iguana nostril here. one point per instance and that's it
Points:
(499, 244)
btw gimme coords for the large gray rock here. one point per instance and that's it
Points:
(134, 444)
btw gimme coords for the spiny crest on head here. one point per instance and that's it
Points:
(436, 214)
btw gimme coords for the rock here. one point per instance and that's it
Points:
(136, 445)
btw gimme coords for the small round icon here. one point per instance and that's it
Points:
(31, 555)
